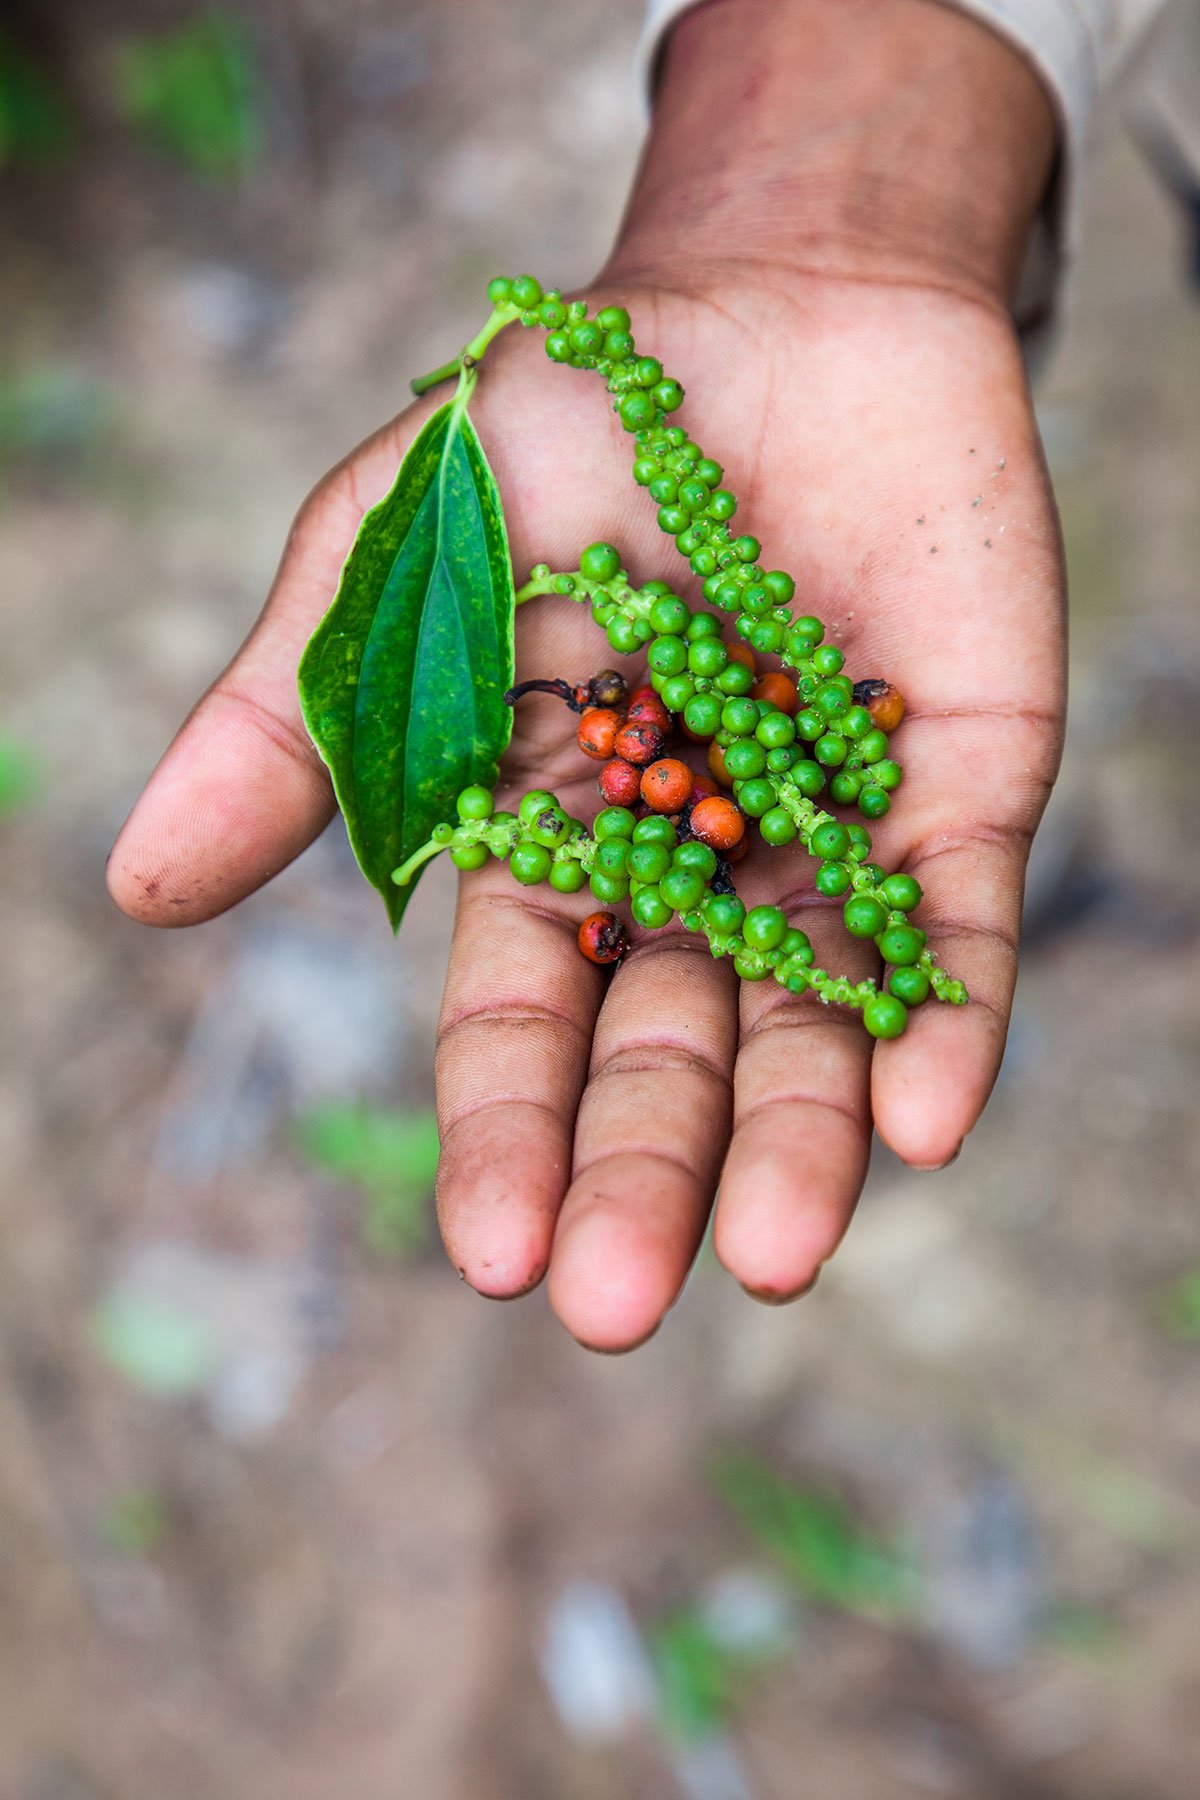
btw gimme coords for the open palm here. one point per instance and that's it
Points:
(881, 440)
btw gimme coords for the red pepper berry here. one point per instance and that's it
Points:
(742, 653)
(603, 938)
(646, 708)
(640, 743)
(620, 783)
(716, 765)
(597, 731)
(667, 785)
(735, 852)
(779, 689)
(718, 823)
(703, 785)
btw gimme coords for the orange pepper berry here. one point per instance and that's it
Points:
(667, 785)
(887, 708)
(718, 823)
(597, 731)
(779, 689)
(640, 742)
(716, 765)
(742, 653)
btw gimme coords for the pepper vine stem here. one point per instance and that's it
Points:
(471, 354)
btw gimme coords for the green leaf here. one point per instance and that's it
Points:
(403, 682)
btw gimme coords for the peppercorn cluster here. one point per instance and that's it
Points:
(777, 739)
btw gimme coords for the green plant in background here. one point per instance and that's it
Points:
(829, 1556)
(196, 92)
(700, 1679)
(136, 1523)
(35, 120)
(391, 1157)
(19, 776)
(405, 691)
(1180, 1305)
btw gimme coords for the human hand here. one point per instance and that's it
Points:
(861, 409)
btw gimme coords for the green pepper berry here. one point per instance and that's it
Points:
(704, 560)
(617, 346)
(530, 863)
(551, 828)
(872, 746)
(865, 916)
(739, 716)
(649, 862)
(844, 787)
(612, 856)
(902, 892)
(698, 857)
(636, 410)
(887, 774)
(860, 841)
(622, 635)
(776, 731)
(669, 395)
(682, 888)
(648, 371)
(885, 1016)
(567, 876)
(808, 777)
(830, 750)
(649, 908)
(707, 657)
(600, 562)
(723, 913)
(703, 625)
(612, 318)
(745, 759)
(475, 803)
(499, 291)
(829, 701)
(664, 490)
(709, 471)
(756, 797)
(901, 944)
(693, 494)
(830, 841)
(828, 660)
(677, 690)
(780, 586)
(469, 856)
(832, 880)
(736, 679)
(767, 637)
(610, 890)
(721, 505)
(764, 928)
(910, 985)
(777, 826)
(645, 470)
(856, 722)
(657, 829)
(747, 549)
(534, 802)
(873, 802)
(809, 725)
(669, 618)
(702, 714)
(558, 346)
(526, 292)
(613, 822)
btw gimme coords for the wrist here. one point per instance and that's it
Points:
(881, 139)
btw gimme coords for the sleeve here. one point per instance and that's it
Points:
(1082, 49)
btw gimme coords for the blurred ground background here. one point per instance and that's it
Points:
(285, 1510)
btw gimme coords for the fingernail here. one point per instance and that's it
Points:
(779, 1296)
(932, 1168)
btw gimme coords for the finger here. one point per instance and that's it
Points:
(801, 1136)
(929, 1086)
(241, 790)
(517, 1016)
(651, 1129)
(980, 785)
